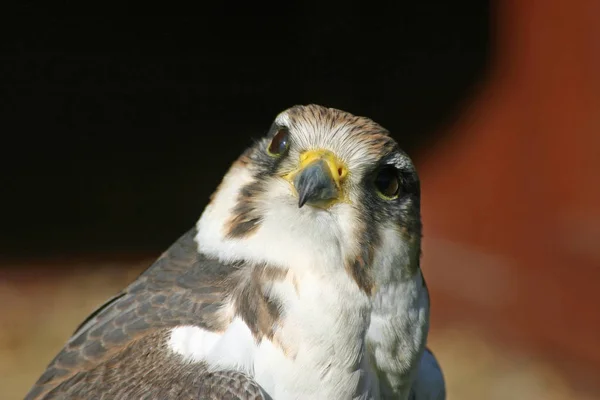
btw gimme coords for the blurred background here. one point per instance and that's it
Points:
(116, 130)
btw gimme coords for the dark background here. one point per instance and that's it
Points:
(116, 130)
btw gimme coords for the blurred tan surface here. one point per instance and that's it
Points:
(42, 307)
(40, 312)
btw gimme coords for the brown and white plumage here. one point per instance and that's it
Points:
(301, 279)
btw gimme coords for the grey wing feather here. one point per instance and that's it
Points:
(429, 383)
(230, 385)
(181, 288)
(91, 319)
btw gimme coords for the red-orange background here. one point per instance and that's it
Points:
(511, 200)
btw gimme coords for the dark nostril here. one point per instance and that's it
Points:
(340, 171)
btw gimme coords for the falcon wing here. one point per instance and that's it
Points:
(429, 383)
(114, 353)
(230, 385)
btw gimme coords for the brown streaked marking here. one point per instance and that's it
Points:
(358, 269)
(411, 237)
(259, 311)
(266, 276)
(245, 219)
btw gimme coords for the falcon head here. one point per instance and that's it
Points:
(324, 192)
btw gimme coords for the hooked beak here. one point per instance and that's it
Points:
(318, 179)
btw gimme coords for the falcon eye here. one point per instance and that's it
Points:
(387, 183)
(279, 143)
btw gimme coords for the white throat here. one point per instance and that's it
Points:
(325, 316)
(328, 322)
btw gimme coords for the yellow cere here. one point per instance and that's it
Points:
(337, 169)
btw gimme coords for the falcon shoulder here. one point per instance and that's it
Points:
(120, 351)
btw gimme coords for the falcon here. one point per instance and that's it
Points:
(300, 280)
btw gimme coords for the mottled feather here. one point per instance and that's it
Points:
(114, 350)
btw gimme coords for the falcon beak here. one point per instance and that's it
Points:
(318, 180)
